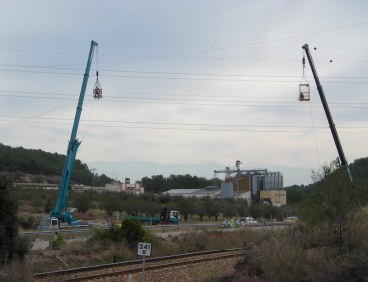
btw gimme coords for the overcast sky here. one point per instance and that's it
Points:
(188, 86)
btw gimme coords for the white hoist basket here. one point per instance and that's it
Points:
(304, 92)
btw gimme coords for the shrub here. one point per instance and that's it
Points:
(16, 271)
(132, 231)
(278, 258)
(29, 222)
(113, 233)
(57, 241)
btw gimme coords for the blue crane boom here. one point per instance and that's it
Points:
(60, 211)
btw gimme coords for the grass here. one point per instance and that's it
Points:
(17, 271)
(78, 253)
(306, 254)
(295, 253)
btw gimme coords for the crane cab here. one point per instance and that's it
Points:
(304, 92)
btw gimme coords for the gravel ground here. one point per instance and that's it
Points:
(211, 270)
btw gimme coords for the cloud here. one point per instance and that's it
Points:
(188, 87)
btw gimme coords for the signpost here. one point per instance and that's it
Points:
(144, 249)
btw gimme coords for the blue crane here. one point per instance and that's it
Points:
(60, 213)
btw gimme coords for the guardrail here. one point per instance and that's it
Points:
(160, 228)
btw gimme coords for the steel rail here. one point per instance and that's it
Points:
(138, 268)
(128, 263)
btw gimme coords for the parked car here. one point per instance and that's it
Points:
(292, 219)
(225, 224)
(246, 220)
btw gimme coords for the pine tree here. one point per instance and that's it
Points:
(11, 246)
(48, 205)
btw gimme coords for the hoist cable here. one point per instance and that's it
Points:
(303, 77)
(97, 82)
(314, 133)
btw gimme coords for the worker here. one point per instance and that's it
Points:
(232, 222)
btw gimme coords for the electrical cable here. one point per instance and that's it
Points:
(118, 123)
(199, 103)
(314, 134)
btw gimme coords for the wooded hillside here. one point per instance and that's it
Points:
(19, 161)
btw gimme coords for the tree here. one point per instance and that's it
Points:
(11, 246)
(215, 209)
(132, 231)
(332, 205)
(110, 205)
(48, 205)
(295, 194)
(199, 209)
(185, 207)
(82, 203)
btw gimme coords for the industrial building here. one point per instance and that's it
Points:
(210, 191)
(136, 188)
(130, 188)
(254, 185)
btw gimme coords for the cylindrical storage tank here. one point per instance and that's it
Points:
(254, 184)
(274, 181)
(267, 182)
(279, 181)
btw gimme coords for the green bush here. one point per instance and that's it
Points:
(57, 242)
(29, 222)
(132, 231)
(113, 233)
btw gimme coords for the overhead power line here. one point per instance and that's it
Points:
(212, 48)
(208, 76)
(120, 123)
(195, 129)
(224, 103)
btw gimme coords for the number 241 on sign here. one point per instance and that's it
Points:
(144, 249)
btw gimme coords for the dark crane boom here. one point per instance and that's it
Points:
(327, 111)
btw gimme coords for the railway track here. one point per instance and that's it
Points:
(156, 269)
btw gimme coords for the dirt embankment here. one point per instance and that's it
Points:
(21, 177)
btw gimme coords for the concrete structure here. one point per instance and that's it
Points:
(136, 188)
(215, 192)
(116, 186)
(210, 191)
(253, 182)
(273, 197)
(113, 187)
